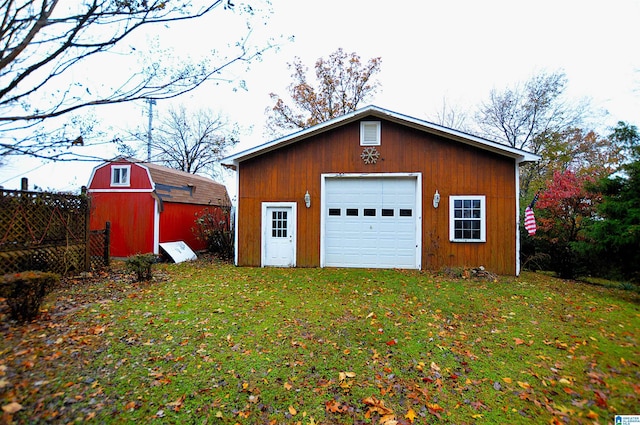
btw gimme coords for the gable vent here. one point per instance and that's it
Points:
(370, 133)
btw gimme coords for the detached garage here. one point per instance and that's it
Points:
(378, 189)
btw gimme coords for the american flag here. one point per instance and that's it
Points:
(529, 217)
(529, 221)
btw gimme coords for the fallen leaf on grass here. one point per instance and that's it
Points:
(97, 330)
(592, 415)
(176, 405)
(342, 376)
(411, 415)
(293, 411)
(376, 405)
(435, 409)
(333, 406)
(601, 399)
(477, 405)
(12, 407)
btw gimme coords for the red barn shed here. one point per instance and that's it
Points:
(148, 204)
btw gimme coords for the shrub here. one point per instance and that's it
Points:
(564, 207)
(214, 227)
(25, 291)
(141, 265)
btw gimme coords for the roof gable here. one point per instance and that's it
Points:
(176, 186)
(377, 112)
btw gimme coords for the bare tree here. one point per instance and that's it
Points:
(521, 116)
(535, 117)
(42, 42)
(343, 82)
(193, 142)
(451, 116)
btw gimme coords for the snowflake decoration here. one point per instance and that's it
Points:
(370, 155)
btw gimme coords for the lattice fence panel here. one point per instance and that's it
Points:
(43, 231)
(99, 255)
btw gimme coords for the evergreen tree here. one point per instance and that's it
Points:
(615, 233)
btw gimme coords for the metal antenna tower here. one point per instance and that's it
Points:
(151, 102)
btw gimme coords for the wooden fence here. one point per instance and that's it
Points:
(99, 243)
(48, 232)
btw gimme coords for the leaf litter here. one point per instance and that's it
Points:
(317, 346)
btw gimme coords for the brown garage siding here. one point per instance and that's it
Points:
(450, 167)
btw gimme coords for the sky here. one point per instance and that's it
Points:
(433, 52)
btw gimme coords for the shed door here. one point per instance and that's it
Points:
(278, 235)
(371, 222)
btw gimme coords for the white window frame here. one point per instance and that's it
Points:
(482, 219)
(363, 131)
(116, 172)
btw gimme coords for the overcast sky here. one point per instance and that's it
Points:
(431, 51)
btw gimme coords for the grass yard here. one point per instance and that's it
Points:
(215, 344)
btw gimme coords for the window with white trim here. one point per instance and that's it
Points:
(120, 175)
(467, 219)
(369, 133)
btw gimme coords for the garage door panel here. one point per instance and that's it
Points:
(372, 222)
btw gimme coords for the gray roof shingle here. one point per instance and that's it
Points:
(181, 187)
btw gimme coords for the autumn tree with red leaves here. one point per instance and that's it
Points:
(564, 208)
(343, 83)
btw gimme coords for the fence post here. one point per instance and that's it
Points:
(107, 242)
(86, 201)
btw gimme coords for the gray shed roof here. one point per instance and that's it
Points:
(181, 187)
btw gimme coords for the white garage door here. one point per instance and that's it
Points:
(371, 222)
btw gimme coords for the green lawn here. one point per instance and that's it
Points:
(215, 344)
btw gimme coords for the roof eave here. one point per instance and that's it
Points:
(232, 161)
(520, 156)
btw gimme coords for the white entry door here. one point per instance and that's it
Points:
(279, 234)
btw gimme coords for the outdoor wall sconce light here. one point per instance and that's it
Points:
(307, 199)
(436, 199)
